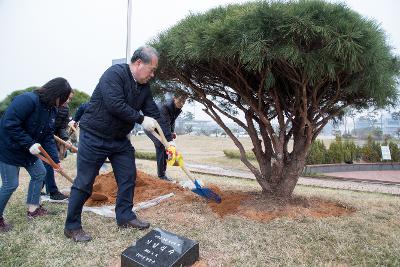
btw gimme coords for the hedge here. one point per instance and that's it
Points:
(339, 151)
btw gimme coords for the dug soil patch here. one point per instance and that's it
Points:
(250, 205)
(258, 207)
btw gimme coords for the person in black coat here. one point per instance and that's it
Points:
(62, 120)
(60, 130)
(169, 113)
(114, 108)
(27, 125)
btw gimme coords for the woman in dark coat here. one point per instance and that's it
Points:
(27, 124)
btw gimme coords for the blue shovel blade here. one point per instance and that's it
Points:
(206, 192)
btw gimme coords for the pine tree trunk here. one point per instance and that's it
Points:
(284, 176)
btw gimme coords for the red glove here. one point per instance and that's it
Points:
(173, 135)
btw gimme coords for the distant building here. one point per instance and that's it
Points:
(363, 123)
(390, 126)
(385, 122)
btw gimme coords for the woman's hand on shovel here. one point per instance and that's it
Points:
(60, 168)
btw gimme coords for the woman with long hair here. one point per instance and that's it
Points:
(27, 124)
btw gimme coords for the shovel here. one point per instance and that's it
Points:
(46, 158)
(73, 148)
(204, 192)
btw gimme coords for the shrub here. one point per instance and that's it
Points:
(145, 155)
(317, 153)
(394, 151)
(235, 154)
(351, 151)
(335, 152)
(340, 151)
(371, 151)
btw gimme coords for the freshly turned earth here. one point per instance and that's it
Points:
(251, 205)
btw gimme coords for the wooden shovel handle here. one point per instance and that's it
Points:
(49, 160)
(73, 148)
(160, 135)
(46, 158)
(188, 173)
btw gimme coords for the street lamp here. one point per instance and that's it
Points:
(128, 31)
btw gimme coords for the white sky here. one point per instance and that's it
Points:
(77, 39)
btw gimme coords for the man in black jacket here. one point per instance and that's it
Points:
(122, 92)
(169, 113)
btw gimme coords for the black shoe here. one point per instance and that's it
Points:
(77, 235)
(164, 177)
(39, 212)
(57, 196)
(135, 223)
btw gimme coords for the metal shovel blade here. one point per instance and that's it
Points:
(206, 192)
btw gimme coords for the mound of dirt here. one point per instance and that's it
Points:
(258, 207)
(147, 187)
(251, 205)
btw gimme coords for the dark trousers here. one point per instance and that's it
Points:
(49, 180)
(161, 155)
(92, 153)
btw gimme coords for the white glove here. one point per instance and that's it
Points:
(172, 143)
(71, 123)
(34, 149)
(149, 124)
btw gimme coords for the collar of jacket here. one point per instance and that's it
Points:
(131, 74)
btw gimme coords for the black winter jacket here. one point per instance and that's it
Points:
(115, 105)
(26, 121)
(169, 114)
(62, 119)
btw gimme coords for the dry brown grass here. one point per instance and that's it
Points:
(368, 237)
(199, 149)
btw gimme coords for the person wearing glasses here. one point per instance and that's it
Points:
(123, 92)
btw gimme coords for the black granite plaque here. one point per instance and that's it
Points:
(161, 248)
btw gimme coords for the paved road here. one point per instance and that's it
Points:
(370, 181)
(382, 176)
